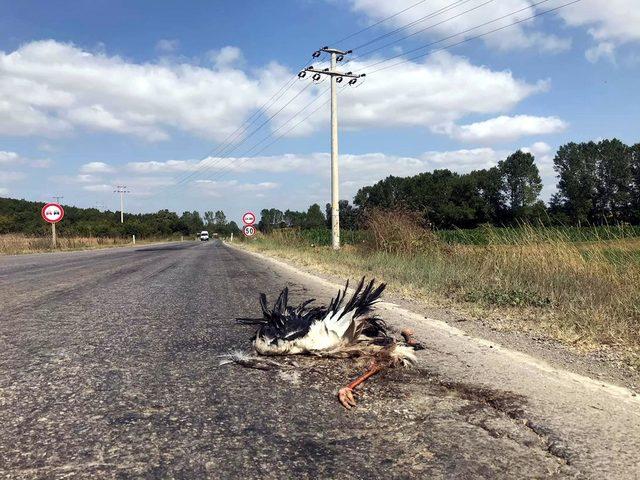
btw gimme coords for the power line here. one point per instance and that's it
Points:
(379, 22)
(441, 10)
(317, 72)
(275, 140)
(275, 97)
(228, 165)
(422, 30)
(245, 126)
(216, 161)
(458, 43)
(475, 37)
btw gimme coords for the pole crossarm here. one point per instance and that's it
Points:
(336, 56)
(332, 50)
(326, 71)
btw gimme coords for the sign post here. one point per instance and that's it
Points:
(52, 213)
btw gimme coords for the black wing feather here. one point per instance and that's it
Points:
(284, 322)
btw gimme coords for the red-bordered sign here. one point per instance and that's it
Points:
(52, 212)
(249, 230)
(249, 218)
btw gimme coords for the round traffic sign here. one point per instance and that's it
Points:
(249, 230)
(249, 218)
(52, 212)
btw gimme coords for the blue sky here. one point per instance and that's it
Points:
(99, 93)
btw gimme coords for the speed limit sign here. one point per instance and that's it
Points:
(249, 230)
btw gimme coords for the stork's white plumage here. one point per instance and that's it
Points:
(339, 330)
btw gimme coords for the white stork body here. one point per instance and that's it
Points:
(339, 330)
(324, 334)
(342, 328)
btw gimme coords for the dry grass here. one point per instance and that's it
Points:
(586, 294)
(12, 244)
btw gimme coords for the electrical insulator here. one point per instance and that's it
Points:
(339, 58)
(316, 54)
(353, 81)
(316, 77)
(302, 74)
(339, 80)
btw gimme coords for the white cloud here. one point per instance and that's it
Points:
(356, 171)
(13, 158)
(41, 163)
(85, 178)
(48, 88)
(96, 167)
(615, 20)
(137, 186)
(4, 191)
(544, 160)
(166, 45)
(226, 57)
(216, 188)
(8, 177)
(10, 158)
(445, 19)
(441, 89)
(504, 128)
(102, 188)
(610, 24)
(601, 50)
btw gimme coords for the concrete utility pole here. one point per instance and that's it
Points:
(121, 189)
(57, 198)
(336, 77)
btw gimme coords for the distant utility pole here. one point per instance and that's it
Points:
(336, 77)
(121, 189)
(57, 198)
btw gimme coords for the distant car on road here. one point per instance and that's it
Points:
(204, 236)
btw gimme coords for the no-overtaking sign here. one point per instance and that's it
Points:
(52, 212)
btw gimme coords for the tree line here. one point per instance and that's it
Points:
(598, 183)
(23, 216)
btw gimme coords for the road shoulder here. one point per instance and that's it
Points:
(591, 423)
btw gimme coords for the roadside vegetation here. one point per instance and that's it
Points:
(13, 243)
(22, 230)
(23, 217)
(578, 286)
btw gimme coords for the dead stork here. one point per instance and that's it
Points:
(342, 329)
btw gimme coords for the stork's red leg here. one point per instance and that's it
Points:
(345, 395)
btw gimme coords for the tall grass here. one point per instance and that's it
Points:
(583, 290)
(16, 243)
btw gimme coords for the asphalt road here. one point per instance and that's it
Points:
(109, 369)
